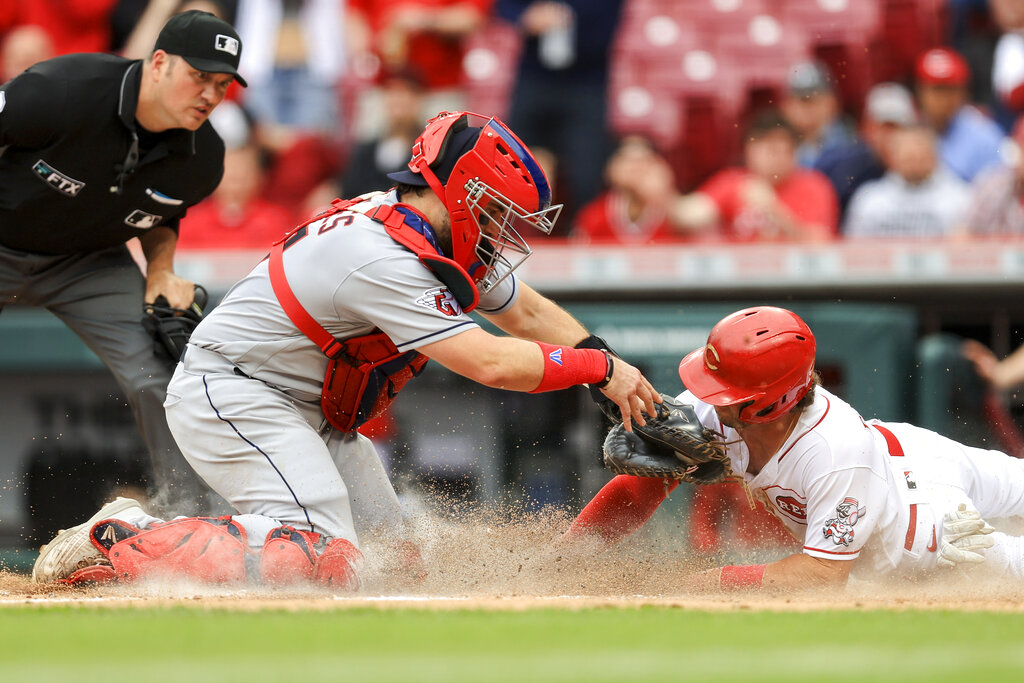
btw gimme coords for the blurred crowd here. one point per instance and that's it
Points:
(657, 120)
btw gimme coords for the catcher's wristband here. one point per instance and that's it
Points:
(738, 577)
(608, 371)
(565, 367)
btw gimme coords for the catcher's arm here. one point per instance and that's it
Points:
(535, 317)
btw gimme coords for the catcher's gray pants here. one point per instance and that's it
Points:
(99, 295)
(263, 452)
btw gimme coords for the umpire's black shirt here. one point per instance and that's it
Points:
(67, 182)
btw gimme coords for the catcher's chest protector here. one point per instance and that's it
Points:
(365, 373)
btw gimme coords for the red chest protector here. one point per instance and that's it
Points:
(365, 373)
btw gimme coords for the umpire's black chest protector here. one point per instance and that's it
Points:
(75, 175)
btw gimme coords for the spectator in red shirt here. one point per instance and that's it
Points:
(422, 35)
(73, 25)
(769, 198)
(635, 207)
(22, 47)
(236, 215)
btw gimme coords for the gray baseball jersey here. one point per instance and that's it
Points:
(244, 402)
(351, 277)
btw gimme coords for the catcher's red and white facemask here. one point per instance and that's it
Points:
(500, 247)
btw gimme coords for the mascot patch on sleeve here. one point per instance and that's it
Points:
(840, 527)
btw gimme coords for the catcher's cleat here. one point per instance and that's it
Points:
(71, 549)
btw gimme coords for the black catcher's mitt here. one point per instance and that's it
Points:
(672, 445)
(171, 327)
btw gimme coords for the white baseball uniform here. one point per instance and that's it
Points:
(851, 488)
(244, 403)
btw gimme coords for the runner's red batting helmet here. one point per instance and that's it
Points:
(763, 356)
(491, 185)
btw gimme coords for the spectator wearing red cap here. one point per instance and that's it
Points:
(969, 141)
(997, 198)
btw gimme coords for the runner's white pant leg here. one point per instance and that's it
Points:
(995, 483)
(257, 448)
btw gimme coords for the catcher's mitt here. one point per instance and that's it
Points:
(672, 445)
(171, 327)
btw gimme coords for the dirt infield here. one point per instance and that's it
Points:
(489, 561)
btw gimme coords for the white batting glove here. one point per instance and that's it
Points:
(964, 533)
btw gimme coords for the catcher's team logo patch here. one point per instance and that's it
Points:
(840, 527)
(64, 184)
(440, 299)
(142, 220)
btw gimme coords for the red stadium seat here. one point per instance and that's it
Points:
(763, 50)
(636, 105)
(489, 67)
(712, 16)
(908, 28)
(657, 35)
(840, 33)
(833, 21)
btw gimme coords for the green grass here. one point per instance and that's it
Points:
(82, 644)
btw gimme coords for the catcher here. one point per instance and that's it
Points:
(866, 498)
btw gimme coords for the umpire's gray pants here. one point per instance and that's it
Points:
(99, 295)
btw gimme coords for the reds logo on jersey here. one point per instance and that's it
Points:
(440, 299)
(792, 507)
(840, 527)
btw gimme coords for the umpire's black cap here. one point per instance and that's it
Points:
(204, 41)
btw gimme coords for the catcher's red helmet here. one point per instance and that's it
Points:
(762, 355)
(491, 185)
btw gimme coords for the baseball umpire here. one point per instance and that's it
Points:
(320, 336)
(95, 150)
(870, 499)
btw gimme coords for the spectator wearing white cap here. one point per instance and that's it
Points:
(888, 107)
(916, 198)
(969, 141)
(811, 106)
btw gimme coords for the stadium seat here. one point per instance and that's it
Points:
(658, 35)
(489, 68)
(907, 28)
(763, 50)
(833, 21)
(637, 105)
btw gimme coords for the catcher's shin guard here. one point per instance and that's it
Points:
(207, 549)
(338, 566)
(288, 556)
(291, 556)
